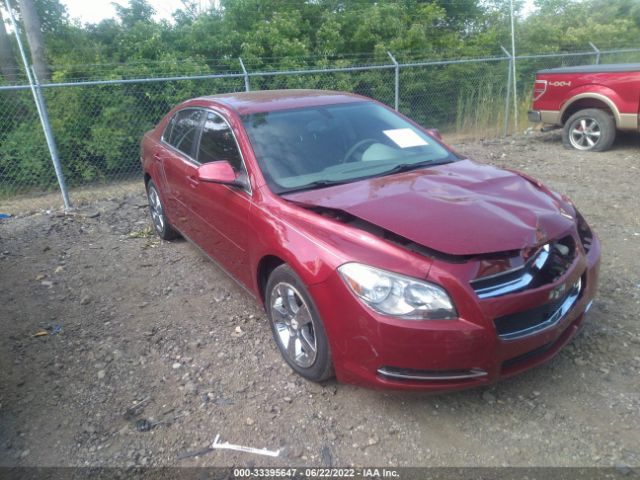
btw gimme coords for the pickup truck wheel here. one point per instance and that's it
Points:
(591, 130)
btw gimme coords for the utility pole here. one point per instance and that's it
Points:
(36, 90)
(33, 29)
(8, 65)
(513, 70)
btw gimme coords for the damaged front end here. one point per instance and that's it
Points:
(493, 274)
(515, 308)
(384, 234)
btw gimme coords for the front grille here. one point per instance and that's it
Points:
(546, 266)
(534, 320)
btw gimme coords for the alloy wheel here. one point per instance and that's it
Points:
(157, 214)
(294, 325)
(585, 133)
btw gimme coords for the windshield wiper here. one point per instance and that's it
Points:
(317, 184)
(403, 167)
(407, 167)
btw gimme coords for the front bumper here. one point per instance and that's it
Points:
(377, 351)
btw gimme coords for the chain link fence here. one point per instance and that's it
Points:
(97, 124)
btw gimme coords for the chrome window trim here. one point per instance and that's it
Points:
(189, 158)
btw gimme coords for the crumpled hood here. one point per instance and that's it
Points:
(461, 208)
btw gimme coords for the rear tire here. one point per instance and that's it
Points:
(296, 325)
(589, 130)
(159, 219)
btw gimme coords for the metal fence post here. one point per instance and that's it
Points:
(247, 86)
(42, 112)
(506, 103)
(513, 69)
(595, 49)
(397, 82)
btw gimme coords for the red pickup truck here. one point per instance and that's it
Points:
(590, 102)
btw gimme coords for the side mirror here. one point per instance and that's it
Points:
(220, 172)
(434, 132)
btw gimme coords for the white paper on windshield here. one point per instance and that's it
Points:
(405, 137)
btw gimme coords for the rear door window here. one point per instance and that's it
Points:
(182, 131)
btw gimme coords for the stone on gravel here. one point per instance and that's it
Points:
(623, 468)
(488, 397)
(580, 362)
(219, 294)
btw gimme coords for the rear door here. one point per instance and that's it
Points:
(180, 166)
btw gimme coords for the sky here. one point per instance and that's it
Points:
(93, 11)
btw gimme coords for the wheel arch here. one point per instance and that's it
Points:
(310, 266)
(583, 101)
(266, 265)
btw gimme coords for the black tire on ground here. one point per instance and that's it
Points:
(285, 294)
(589, 130)
(159, 220)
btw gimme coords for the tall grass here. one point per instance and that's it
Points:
(480, 111)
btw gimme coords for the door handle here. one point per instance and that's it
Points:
(156, 156)
(193, 181)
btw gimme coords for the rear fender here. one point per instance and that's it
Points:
(596, 92)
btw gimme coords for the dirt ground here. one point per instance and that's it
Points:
(130, 319)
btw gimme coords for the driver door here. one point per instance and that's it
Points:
(222, 211)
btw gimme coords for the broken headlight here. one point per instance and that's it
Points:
(397, 295)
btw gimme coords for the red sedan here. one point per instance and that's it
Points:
(381, 256)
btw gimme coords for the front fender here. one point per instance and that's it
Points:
(309, 257)
(315, 246)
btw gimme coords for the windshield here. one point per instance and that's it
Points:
(330, 144)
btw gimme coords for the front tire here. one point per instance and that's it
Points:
(296, 325)
(590, 130)
(159, 219)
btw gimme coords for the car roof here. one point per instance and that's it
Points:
(271, 100)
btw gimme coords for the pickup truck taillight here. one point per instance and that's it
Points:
(539, 88)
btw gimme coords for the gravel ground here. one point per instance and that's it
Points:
(148, 350)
